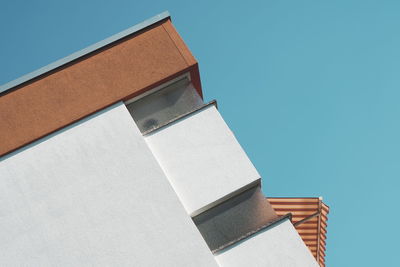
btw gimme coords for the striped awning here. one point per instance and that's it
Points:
(309, 216)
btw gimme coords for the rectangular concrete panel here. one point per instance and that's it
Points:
(202, 159)
(277, 246)
(93, 195)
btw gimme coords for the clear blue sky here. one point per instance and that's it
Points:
(310, 88)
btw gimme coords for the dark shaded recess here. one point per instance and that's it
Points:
(235, 218)
(165, 105)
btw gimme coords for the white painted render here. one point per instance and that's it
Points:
(278, 246)
(93, 195)
(202, 159)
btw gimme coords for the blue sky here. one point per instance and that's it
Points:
(310, 88)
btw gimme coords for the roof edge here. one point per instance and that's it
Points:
(34, 74)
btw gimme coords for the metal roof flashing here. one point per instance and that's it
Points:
(92, 48)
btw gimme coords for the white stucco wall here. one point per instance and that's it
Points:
(202, 159)
(93, 195)
(278, 246)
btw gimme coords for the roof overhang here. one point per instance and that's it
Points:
(116, 69)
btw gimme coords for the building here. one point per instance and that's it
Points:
(110, 157)
(309, 216)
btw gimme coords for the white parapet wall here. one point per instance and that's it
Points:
(276, 246)
(202, 159)
(93, 195)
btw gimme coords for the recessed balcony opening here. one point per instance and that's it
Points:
(165, 105)
(235, 218)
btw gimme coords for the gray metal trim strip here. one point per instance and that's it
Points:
(85, 51)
